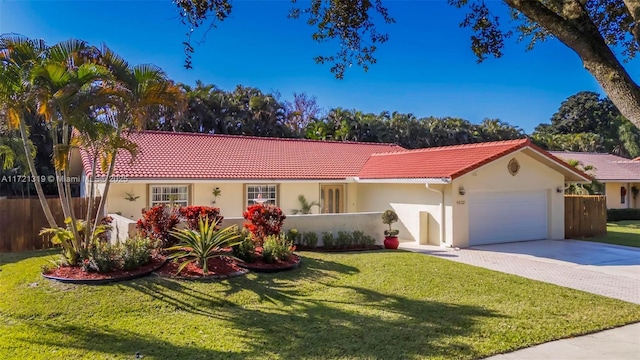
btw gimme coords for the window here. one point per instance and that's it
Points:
(170, 194)
(265, 193)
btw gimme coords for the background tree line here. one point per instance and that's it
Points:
(584, 122)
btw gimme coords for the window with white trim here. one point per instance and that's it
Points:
(262, 194)
(177, 195)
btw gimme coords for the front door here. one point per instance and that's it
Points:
(332, 198)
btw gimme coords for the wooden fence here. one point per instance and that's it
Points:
(584, 216)
(22, 219)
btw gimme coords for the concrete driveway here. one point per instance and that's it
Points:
(603, 269)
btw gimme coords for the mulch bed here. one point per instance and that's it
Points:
(75, 274)
(335, 249)
(259, 265)
(219, 268)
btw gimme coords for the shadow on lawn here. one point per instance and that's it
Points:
(292, 321)
(9, 258)
(127, 343)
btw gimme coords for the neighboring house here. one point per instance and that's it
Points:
(452, 196)
(619, 175)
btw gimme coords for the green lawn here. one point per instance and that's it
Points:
(378, 305)
(625, 233)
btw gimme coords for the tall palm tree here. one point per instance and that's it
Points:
(140, 91)
(18, 57)
(62, 86)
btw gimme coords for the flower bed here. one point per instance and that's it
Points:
(219, 268)
(76, 275)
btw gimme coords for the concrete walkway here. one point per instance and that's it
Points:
(603, 269)
(622, 343)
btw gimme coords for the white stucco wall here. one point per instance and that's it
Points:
(231, 201)
(369, 223)
(407, 200)
(495, 176)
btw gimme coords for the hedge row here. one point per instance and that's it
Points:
(623, 214)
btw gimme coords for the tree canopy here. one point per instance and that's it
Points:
(603, 33)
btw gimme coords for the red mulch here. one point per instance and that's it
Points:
(279, 264)
(218, 267)
(76, 272)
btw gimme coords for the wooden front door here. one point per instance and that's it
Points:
(332, 198)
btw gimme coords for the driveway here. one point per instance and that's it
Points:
(603, 269)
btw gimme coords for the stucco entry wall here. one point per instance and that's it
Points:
(495, 176)
(408, 201)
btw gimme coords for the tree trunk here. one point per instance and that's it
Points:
(32, 168)
(107, 183)
(576, 30)
(92, 190)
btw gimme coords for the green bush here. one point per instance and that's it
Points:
(276, 247)
(360, 239)
(294, 235)
(135, 252)
(100, 257)
(246, 249)
(309, 239)
(344, 239)
(328, 240)
(623, 214)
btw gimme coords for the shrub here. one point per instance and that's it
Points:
(623, 214)
(263, 221)
(157, 224)
(191, 214)
(276, 247)
(344, 239)
(360, 239)
(368, 240)
(99, 257)
(309, 239)
(327, 239)
(245, 250)
(198, 246)
(135, 252)
(389, 217)
(294, 235)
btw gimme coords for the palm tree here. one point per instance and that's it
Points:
(18, 57)
(141, 90)
(64, 86)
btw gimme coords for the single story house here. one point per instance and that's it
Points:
(620, 176)
(450, 196)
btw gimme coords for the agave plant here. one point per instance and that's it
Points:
(203, 244)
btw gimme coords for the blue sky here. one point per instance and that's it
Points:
(426, 68)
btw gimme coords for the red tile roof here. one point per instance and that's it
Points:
(170, 155)
(447, 162)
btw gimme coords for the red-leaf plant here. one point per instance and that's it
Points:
(156, 223)
(263, 221)
(191, 214)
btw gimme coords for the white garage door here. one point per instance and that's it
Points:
(498, 217)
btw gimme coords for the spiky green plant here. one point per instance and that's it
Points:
(203, 244)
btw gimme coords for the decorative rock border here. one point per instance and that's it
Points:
(272, 270)
(106, 280)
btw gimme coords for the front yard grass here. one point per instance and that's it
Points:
(626, 233)
(377, 305)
